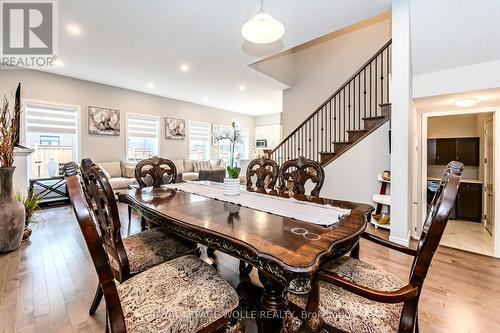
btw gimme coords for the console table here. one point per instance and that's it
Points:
(50, 189)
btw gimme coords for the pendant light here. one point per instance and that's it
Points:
(262, 28)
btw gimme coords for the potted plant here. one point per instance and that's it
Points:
(12, 213)
(31, 205)
(232, 181)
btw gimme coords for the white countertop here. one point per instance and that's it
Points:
(463, 180)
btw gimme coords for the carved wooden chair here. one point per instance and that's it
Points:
(155, 171)
(183, 294)
(266, 171)
(354, 296)
(294, 174)
(134, 254)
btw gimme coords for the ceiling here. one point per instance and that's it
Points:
(130, 44)
(488, 98)
(448, 34)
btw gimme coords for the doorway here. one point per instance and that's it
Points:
(467, 137)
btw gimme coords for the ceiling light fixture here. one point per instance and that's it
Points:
(74, 29)
(184, 68)
(58, 63)
(151, 85)
(465, 102)
(243, 88)
(262, 28)
(205, 99)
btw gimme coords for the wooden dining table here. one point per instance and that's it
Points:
(286, 251)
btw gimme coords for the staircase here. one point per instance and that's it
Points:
(357, 108)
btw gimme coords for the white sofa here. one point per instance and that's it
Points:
(122, 173)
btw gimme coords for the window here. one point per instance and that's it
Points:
(142, 137)
(51, 130)
(241, 150)
(199, 140)
(50, 140)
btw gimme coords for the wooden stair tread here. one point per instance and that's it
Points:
(373, 117)
(357, 130)
(340, 142)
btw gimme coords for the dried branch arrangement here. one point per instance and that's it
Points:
(9, 120)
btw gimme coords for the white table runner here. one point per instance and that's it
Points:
(324, 215)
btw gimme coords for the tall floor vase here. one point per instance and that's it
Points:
(12, 213)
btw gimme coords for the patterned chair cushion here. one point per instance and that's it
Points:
(152, 247)
(182, 295)
(352, 313)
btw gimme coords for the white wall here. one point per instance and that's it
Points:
(268, 119)
(59, 89)
(353, 176)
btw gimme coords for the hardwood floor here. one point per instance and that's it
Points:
(48, 285)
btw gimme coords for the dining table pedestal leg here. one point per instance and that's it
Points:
(274, 294)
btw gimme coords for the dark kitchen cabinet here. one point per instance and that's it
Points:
(442, 151)
(446, 151)
(469, 203)
(468, 151)
(431, 151)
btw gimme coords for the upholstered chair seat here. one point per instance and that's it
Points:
(352, 313)
(182, 295)
(152, 247)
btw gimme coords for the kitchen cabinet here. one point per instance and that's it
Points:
(442, 151)
(468, 151)
(469, 202)
(446, 151)
(431, 151)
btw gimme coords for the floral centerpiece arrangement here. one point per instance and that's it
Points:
(232, 181)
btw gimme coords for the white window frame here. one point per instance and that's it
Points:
(24, 124)
(209, 138)
(156, 118)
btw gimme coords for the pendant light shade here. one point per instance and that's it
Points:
(262, 28)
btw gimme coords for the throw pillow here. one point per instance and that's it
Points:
(188, 166)
(129, 171)
(201, 165)
(179, 165)
(215, 164)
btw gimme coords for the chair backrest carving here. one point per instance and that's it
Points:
(155, 171)
(101, 199)
(298, 171)
(266, 171)
(97, 253)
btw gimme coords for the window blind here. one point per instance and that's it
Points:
(50, 119)
(142, 126)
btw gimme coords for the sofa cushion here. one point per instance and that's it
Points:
(186, 176)
(124, 165)
(106, 173)
(179, 165)
(201, 165)
(112, 168)
(215, 164)
(118, 183)
(188, 166)
(129, 172)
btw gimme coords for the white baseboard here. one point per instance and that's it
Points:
(401, 241)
